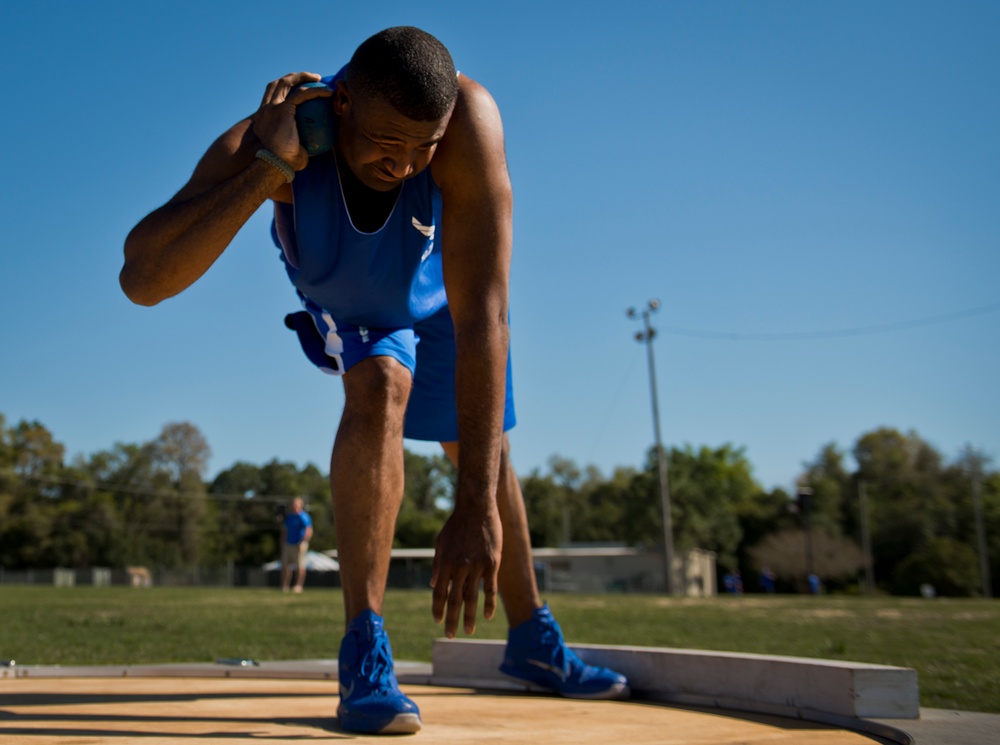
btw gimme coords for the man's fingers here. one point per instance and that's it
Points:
(301, 95)
(269, 93)
(435, 570)
(456, 597)
(471, 598)
(440, 594)
(489, 596)
(277, 90)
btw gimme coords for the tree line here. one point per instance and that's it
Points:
(150, 504)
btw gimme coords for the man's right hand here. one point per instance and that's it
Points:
(274, 122)
(174, 245)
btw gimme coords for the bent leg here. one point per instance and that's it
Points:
(518, 589)
(366, 478)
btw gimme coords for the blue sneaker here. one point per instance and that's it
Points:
(536, 653)
(370, 699)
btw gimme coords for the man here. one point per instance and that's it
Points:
(296, 530)
(398, 242)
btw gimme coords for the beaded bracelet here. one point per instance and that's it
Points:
(277, 162)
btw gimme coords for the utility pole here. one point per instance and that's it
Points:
(646, 336)
(804, 494)
(975, 463)
(866, 538)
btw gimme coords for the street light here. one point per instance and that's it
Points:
(646, 336)
(805, 498)
(975, 462)
(866, 537)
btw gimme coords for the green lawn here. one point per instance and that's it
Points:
(953, 644)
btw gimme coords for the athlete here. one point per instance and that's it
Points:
(398, 242)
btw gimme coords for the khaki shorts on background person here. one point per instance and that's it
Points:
(294, 553)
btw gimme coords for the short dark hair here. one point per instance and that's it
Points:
(411, 68)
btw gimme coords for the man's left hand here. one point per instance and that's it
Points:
(467, 552)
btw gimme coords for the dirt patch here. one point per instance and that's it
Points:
(593, 603)
(826, 613)
(974, 616)
(888, 613)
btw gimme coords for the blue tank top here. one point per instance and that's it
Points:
(387, 279)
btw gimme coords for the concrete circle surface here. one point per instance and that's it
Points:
(61, 711)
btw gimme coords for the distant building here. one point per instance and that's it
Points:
(587, 569)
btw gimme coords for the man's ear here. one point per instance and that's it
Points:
(341, 98)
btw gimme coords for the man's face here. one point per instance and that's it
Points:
(382, 147)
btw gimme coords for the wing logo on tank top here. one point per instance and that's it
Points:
(427, 230)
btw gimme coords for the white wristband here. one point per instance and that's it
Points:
(277, 162)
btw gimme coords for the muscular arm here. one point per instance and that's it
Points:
(477, 236)
(176, 244)
(470, 167)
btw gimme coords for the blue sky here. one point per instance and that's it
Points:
(768, 168)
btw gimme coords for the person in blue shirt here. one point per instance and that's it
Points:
(296, 532)
(398, 242)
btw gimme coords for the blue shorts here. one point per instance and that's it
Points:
(427, 349)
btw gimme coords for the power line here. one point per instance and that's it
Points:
(613, 404)
(881, 328)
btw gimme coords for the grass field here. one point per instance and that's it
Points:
(953, 644)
